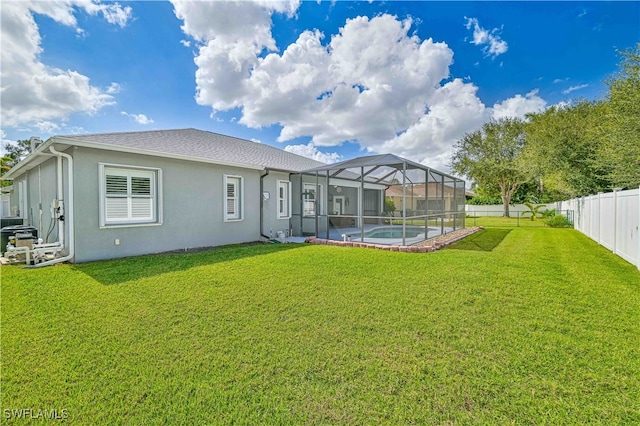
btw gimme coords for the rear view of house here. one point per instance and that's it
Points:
(114, 195)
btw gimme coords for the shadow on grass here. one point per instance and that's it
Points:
(485, 240)
(118, 271)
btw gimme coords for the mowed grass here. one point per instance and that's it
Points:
(538, 326)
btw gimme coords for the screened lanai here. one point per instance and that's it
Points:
(378, 199)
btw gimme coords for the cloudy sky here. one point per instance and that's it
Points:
(328, 80)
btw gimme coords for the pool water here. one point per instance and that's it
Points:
(389, 233)
(394, 232)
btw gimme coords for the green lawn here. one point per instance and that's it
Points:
(511, 326)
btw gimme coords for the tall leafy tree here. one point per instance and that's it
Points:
(563, 145)
(620, 150)
(14, 153)
(17, 151)
(490, 157)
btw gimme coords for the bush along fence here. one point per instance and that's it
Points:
(612, 219)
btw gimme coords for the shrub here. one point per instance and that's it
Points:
(557, 221)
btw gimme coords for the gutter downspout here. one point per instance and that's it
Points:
(262, 204)
(68, 210)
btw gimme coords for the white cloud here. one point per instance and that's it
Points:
(4, 141)
(255, 140)
(371, 81)
(185, 43)
(231, 35)
(33, 92)
(138, 118)
(574, 88)
(113, 13)
(374, 82)
(454, 110)
(311, 151)
(518, 106)
(46, 126)
(113, 88)
(491, 40)
(560, 80)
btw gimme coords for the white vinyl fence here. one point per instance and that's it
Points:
(498, 209)
(612, 219)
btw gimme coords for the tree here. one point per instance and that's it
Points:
(5, 166)
(620, 150)
(590, 146)
(490, 156)
(17, 151)
(562, 148)
(14, 153)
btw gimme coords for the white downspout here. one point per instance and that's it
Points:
(68, 210)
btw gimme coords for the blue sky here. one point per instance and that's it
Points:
(329, 80)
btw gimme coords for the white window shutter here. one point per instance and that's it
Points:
(233, 197)
(232, 189)
(142, 208)
(129, 195)
(117, 184)
(116, 208)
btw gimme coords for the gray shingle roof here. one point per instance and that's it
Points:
(204, 145)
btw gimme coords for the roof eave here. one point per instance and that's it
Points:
(40, 150)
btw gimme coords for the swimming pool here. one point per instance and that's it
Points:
(390, 235)
(394, 232)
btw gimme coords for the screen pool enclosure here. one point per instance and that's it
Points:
(378, 199)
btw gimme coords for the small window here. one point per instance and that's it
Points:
(284, 199)
(233, 198)
(129, 196)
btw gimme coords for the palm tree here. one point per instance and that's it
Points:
(534, 211)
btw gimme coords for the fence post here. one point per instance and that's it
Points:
(590, 200)
(599, 215)
(615, 220)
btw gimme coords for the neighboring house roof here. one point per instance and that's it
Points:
(186, 144)
(418, 190)
(202, 144)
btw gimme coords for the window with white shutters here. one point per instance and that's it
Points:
(284, 199)
(233, 198)
(130, 195)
